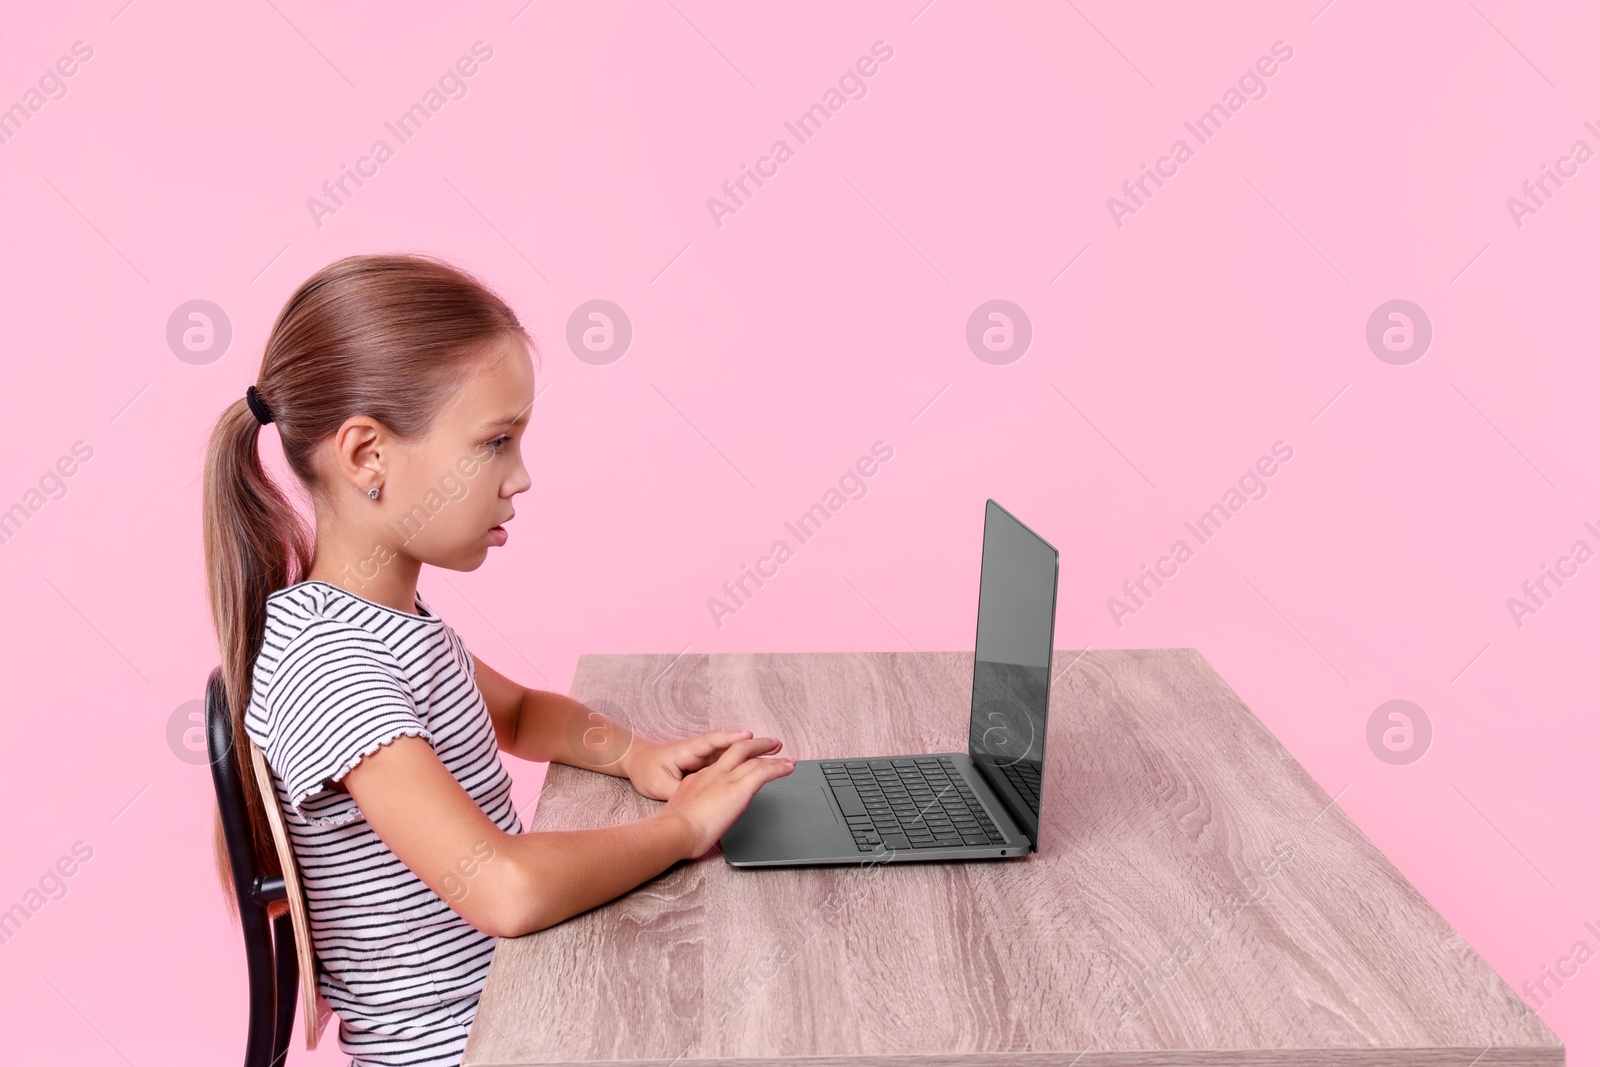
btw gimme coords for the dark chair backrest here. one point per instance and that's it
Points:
(269, 943)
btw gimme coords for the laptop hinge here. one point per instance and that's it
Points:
(1004, 796)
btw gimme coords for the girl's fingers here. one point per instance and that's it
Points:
(713, 743)
(719, 739)
(740, 751)
(766, 768)
(707, 747)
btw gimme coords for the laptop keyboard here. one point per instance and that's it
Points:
(919, 802)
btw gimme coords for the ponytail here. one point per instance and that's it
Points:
(255, 543)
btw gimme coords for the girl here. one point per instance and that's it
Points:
(400, 387)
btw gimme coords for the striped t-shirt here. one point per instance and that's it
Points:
(339, 675)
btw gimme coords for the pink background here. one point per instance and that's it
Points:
(828, 313)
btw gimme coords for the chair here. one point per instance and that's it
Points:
(278, 955)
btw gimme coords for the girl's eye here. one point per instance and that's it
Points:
(499, 442)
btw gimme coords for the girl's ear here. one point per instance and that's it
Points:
(360, 447)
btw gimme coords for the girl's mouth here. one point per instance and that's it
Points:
(498, 533)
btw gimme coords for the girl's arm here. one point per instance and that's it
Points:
(512, 884)
(541, 727)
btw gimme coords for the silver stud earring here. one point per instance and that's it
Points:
(372, 494)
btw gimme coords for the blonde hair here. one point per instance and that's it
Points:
(391, 336)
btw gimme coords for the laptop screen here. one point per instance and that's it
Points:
(1011, 668)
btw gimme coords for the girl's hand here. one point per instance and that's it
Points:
(655, 768)
(710, 800)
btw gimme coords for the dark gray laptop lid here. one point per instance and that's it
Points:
(1011, 667)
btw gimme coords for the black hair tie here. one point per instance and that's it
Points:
(258, 407)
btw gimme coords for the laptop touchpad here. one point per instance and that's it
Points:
(792, 820)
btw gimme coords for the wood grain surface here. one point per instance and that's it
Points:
(1197, 898)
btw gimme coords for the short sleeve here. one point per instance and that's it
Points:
(337, 695)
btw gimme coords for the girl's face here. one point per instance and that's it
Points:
(447, 496)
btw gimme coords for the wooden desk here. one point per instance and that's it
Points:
(1197, 899)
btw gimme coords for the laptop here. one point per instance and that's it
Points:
(974, 805)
